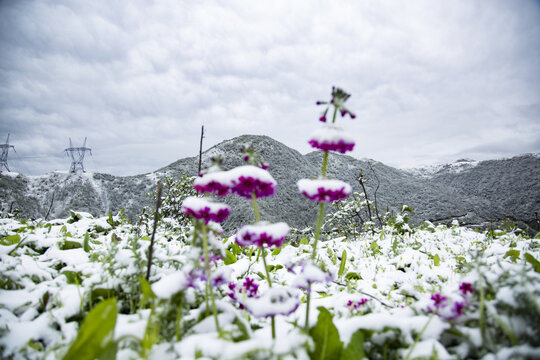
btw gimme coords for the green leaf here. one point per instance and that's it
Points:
(326, 338)
(535, 263)
(96, 334)
(146, 290)
(146, 238)
(304, 241)
(374, 247)
(276, 252)
(10, 240)
(353, 276)
(436, 259)
(229, 258)
(86, 242)
(68, 245)
(514, 254)
(342, 264)
(355, 349)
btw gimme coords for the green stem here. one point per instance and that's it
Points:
(307, 306)
(334, 117)
(266, 267)
(418, 338)
(209, 290)
(318, 229)
(255, 207)
(324, 163)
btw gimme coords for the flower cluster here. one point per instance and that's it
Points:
(339, 97)
(203, 209)
(456, 310)
(248, 289)
(354, 305)
(217, 183)
(331, 138)
(262, 234)
(327, 190)
(249, 179)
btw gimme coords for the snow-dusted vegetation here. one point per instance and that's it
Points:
(384, 299)
(173, 285)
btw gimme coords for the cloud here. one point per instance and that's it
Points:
(429, 80)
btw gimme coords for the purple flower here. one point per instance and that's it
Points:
(250, 179)
(251, 287)
(324, 189)
(457, 309)
(331, 138)
(339, 97)
(212, 258)
(438, 300)
(354, 305)
(205, 210)
(262, 234)
(465, 288)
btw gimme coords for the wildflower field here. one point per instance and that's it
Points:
(175, 286)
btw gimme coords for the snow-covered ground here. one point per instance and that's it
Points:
(452, 292)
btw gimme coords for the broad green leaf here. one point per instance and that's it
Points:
(326, 338)
(96, 333)
(11, 239)
(343, 261)
(374, 247)
(355, 348)
(535, 263)
(514, 254)
(276, 251)
(68, 245)
(304, 241)
(436, 260)
(229, 258)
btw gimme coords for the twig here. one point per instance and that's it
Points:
(156, 218)
(50, 207)
(375, 193)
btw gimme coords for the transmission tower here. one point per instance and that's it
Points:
(5, 150)
(77, 156)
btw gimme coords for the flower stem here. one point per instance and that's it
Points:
(318, 229)
(209, 290)
(324, 163)
(255, 207)
(418, 338)
(308, 299)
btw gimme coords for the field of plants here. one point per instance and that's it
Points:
(173, 285)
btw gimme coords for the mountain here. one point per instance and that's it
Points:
(474, 193)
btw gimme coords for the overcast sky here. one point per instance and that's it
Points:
(431, 81)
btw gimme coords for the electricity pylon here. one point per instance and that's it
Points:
(5, 150)
(77, 156)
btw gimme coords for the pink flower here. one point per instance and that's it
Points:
(205, 210)
(262, 234)
(339, 97)
(331, 138)
(324, 189)
(217, 183)
(465, 288)
(249, 179)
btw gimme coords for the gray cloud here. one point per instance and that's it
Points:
(430, 81)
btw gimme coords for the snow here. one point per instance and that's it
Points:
(398, 282)
(330, 133)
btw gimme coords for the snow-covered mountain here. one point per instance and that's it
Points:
(474, 193)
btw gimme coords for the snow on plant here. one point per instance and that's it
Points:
(328, 138)
(253, 182)
(75, 287)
